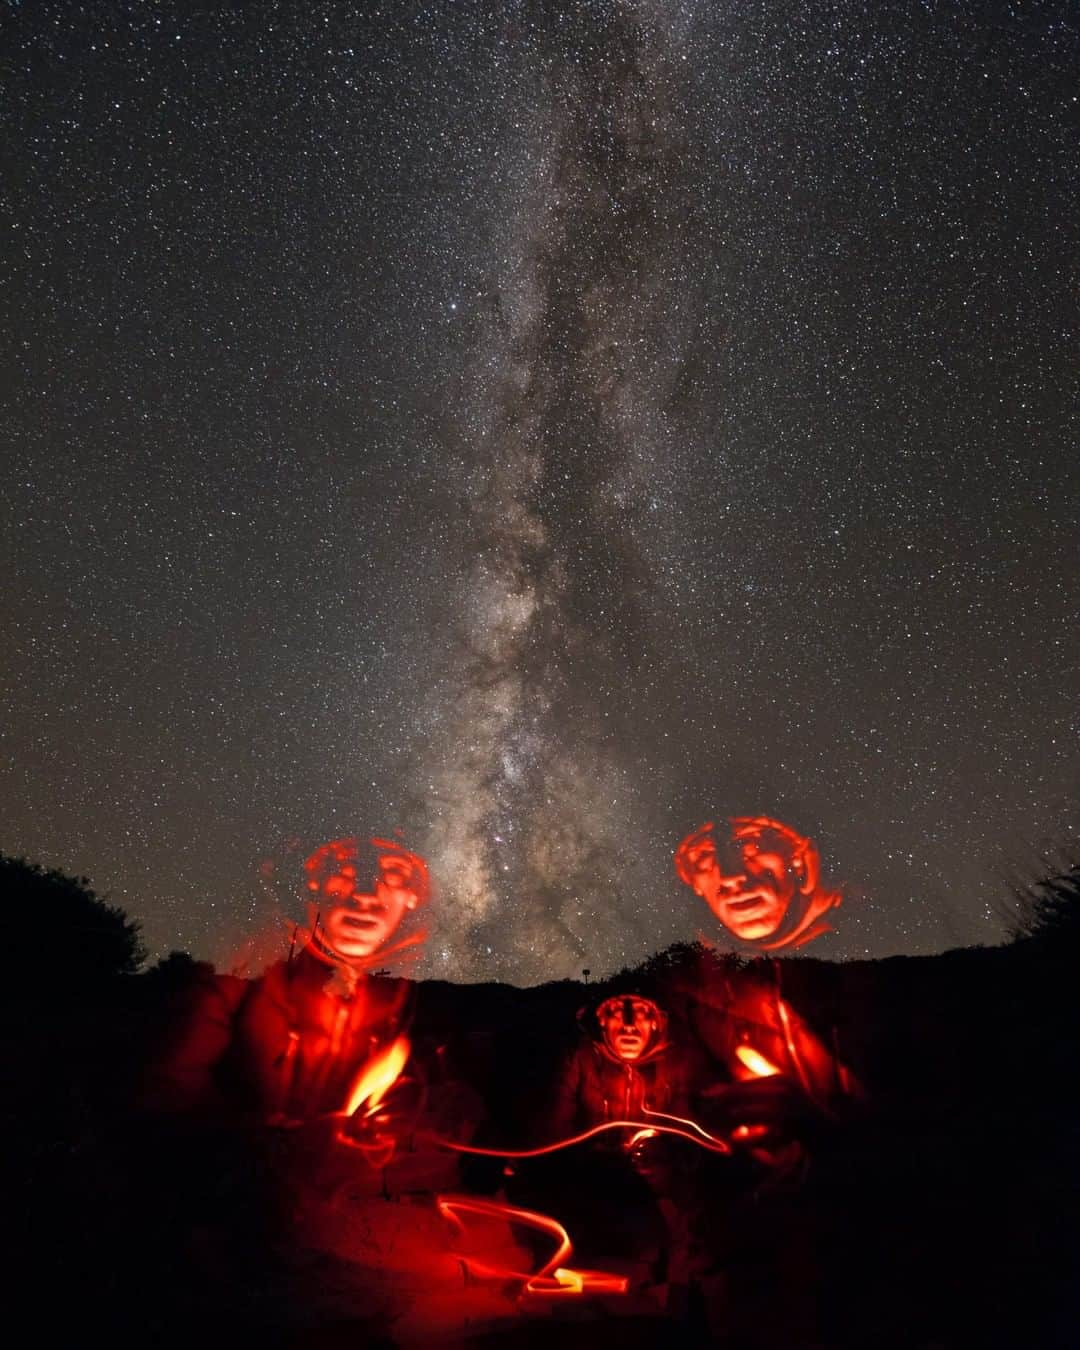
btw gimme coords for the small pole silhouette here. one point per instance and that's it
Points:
(586, 974)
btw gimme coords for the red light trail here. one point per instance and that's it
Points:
(554, 1279)
(679, 1128)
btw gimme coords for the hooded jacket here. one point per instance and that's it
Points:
(596, 1086)
(288, 1045)
(732, 1009)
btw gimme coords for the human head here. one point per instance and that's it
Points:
(359, 893)
(760, 878)
(629, 1025)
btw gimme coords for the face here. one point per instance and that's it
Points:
(628, 1024)
(748, 885)
(357, 915)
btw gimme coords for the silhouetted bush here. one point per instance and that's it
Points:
(69, 938)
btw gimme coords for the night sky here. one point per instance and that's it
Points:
(541, 427)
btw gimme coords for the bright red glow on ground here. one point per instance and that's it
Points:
(554, 1279)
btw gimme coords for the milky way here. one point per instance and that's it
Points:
(567, 402)
(542, 427)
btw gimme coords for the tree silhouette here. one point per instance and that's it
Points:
(1049, 910)
(67, 938)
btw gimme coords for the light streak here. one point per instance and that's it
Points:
(554, 1279)
(789, 1041)
(377, 1077)
(678, 1128)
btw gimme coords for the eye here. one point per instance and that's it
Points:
(393, 874)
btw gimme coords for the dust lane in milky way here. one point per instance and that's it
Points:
(562, 625)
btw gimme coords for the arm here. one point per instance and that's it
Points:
(561, 1118)
(180, 1080)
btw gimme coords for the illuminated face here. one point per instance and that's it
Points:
(628, 1025)
(357, 915)
(750, 880)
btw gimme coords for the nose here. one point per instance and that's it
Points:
(366, 901)
(733, 882)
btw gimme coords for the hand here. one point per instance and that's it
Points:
(377, 1129)
(775, 1102)
(373, 1133)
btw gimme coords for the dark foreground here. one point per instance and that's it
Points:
(944, 1216)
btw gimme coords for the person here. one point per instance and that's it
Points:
(260, 1108)
(762, 881)
(625, 1066)
(776, 1087)
(293, 1044)
(624, 1194)
(786, 1101)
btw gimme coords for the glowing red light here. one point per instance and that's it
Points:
(756, 1062)
(676, 1126)
(377, 1077)
(554, 1279)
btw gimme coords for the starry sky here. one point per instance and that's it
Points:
(540, 426)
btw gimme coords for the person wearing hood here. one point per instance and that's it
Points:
(261, 1103)
(626, 1194)
(292, 1044)
(761, 880)
(626, 1066)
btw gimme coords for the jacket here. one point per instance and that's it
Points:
(596, 1086)
(288, 1045)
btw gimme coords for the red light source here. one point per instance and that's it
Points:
(377, 1077)
(756, 1062)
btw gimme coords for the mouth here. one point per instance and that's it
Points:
(751, 915)
(362, 923)
(744, 904)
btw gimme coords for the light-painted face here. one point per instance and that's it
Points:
(750, 889)
(357, 917)
(628, 1025)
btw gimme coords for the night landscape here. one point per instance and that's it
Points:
(539, 788)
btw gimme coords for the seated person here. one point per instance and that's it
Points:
(775, 1082)
(624, 1194)
(290, 1045)
(625, 1065)
(762, 882)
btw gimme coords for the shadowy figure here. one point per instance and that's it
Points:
(783, 1099)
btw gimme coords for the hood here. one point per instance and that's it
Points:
(590, 1028)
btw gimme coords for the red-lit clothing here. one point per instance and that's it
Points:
(597, 1086)
(286, 1046)
(732, 1010)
